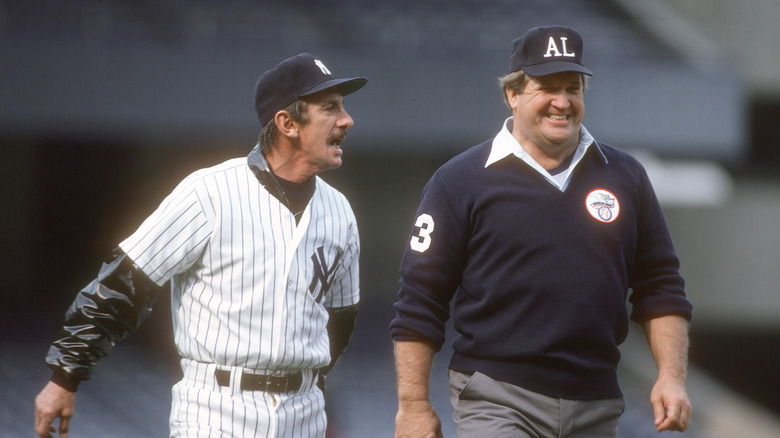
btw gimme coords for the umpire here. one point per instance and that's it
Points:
(262, 258)
(536, 236)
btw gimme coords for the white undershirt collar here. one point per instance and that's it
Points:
(505, 144)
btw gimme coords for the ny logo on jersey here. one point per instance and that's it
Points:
(322, 273)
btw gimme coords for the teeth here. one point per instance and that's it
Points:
(558, 117)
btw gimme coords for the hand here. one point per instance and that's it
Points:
(53, 402)
(417, 420)
(671, 406)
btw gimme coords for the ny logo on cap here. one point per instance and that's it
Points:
(552, 48)
(322, 67)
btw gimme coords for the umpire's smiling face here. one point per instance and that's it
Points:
(321, 137)
(549, 111)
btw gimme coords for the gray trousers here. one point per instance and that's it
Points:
(489, 408)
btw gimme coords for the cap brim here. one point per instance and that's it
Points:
(549, 68)
(345, 86)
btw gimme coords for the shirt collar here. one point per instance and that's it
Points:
(257, 161)
(505, 144)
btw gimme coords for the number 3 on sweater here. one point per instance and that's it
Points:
(422, 240)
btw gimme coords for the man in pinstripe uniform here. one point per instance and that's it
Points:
(262, 258)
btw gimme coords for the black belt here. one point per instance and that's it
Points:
(260, 382)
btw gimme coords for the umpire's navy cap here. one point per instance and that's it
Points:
(295, 77)
(546, 50)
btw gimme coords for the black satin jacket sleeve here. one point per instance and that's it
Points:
(341, 324)
(108, 309)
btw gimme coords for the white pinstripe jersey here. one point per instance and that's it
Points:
(249, 286)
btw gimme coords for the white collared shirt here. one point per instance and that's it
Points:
(505, 144)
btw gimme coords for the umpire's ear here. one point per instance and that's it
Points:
(511, 98)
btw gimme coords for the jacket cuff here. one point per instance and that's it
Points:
(68, 381)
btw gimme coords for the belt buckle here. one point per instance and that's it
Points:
(276, 383)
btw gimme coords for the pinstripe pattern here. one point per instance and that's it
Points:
(249, 286)
(233, 413)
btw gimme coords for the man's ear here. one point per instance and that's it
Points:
(511, 97)
(285, 124)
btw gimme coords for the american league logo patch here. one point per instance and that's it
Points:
(602, 205)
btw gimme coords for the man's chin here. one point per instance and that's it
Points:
(563, 138)
(332, 165)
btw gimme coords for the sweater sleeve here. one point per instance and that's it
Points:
(658, 288)
(430, 267)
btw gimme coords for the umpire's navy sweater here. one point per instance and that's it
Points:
(540, 285)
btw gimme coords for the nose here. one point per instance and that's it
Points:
(561, 100)
(346, 121)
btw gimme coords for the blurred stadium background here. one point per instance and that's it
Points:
(106, 105)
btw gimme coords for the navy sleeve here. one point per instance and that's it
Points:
(430, 267)
(658, 288)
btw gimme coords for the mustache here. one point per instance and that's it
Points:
(341, 135)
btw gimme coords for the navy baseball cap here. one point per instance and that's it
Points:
(301, 75)
(546, 50)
